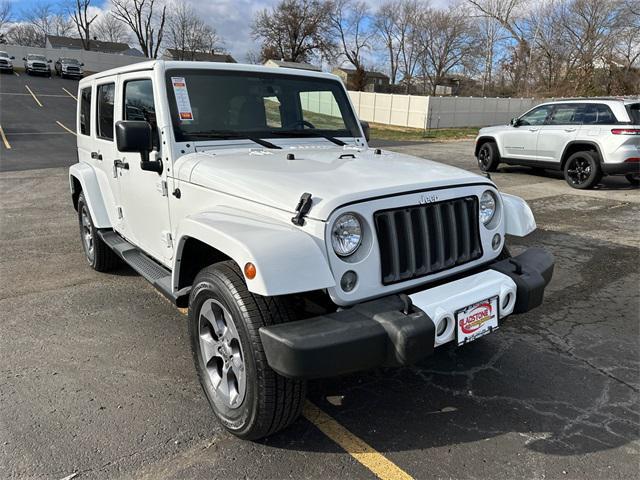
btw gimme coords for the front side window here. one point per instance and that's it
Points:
(106, 97)
(567, 114)
(537, 116)
(139, 104)
(85, 111)
(213, 104)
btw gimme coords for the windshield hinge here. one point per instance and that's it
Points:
(304, 205)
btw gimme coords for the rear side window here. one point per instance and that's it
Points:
(85, 111)
(634, 113)
(598, 114)
(106, 97)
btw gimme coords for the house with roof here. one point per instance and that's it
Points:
(69, 43)
(296, 65)
(373, 81)
(177, 54)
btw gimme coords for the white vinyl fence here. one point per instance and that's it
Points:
(93, 61)
(437, 112)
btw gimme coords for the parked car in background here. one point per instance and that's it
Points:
(6, 65)
(68, 67)
(585, 139)
(37, 64)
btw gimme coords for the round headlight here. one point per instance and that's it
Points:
(346, 234)
(487, 207)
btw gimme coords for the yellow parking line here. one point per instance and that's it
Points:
(380, 465)
(67, 129)
(4, 139)
(33, 95)
(70, 94)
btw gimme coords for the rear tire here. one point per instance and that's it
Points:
(633, 179)
(98, 254)
(488, 157)
(582, 170)
(250, 399)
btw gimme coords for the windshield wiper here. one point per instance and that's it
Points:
(308, 133)
(222, 135)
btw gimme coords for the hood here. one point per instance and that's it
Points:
(333, 176)
(485, 130)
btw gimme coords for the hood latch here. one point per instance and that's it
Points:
(304, 205)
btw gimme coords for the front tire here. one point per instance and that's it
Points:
(488, 157)
(582, 170)
(98, 254)
(249, 398)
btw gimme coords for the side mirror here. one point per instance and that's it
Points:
(82, 64)
(12, 57)
(48, 61)
(515, 122)
(365, 129)
(24, 58)
(135, 136)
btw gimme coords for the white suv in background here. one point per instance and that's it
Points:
(586, 139)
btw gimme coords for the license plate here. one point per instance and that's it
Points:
(477, 320)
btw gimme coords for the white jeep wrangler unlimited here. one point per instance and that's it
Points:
(249, 195)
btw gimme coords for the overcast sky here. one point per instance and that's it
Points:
(231, 18)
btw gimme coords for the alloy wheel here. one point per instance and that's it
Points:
(86, 231)
(222, 353)
(579, 171)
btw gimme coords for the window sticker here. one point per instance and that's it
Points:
(182, 99)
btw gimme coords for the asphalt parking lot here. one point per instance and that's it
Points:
(96, 376)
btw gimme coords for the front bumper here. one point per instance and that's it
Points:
(6, 67)
(400, 329)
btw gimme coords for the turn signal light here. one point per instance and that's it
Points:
(626, 131)
(250, 271)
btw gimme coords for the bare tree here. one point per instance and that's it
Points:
(6, 13)
(386, 25)
(188, 33)
(82, 19)
(144, 20)
(109, 29)
(40, 16)
(24, 34)
(349, 24)
(448, 44)
(294, 30)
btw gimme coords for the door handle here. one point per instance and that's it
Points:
(119, 164)
(569, 129)
(96, 156)
(534, 129)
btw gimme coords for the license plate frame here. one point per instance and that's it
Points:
(477, 320)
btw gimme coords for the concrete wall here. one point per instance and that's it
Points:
(391, 109)
(93, 61)
(437, 112)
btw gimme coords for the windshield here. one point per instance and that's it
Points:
(71, 61)
(36, 57)
(634, 112)
(213, 104)
(4, 55)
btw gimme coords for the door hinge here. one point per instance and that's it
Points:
(161, 186)
(167, 239)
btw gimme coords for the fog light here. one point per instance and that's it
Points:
(496, 241)
(348, 281)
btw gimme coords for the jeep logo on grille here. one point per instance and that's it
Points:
(426, 198)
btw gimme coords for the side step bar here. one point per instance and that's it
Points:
(152, 271)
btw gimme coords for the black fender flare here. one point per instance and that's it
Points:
(564, 157)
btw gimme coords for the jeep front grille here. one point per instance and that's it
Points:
(425, 239)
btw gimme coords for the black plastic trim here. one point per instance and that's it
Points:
(620, 168)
